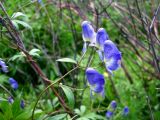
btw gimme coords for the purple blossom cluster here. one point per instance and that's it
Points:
(12, 82)
(109, 54)
(107, 50)
(112, 108)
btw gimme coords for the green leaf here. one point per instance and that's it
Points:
(82, 109)
(94, 116)
(6, 110)
(24, 115)
(15, 24)
(77, 111)
(34, 52)
(58, 117)
(67, 60)
(17, 14)
(69, 94)
(24, 24)
(17, 56)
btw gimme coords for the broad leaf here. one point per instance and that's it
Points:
(69, 94)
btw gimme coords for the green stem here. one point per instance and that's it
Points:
(5, 89)
(49, 87)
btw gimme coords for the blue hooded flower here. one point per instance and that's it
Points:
(113, 104)
(22, 104)
(96, 81)
(101, 37)
(109, 114)
(88, 34)
(125, 110)
(13, 83)
(3, 66)
(112, 56)
(10, 100)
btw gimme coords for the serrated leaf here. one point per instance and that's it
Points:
(69, 94)
(58, 117)
(17, 14)
(24, 24)
(67, 60)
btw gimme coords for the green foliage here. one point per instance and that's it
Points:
(87, 115)
(52, 35)
(67, 60)
(69, 94)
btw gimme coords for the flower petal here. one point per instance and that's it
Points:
(98, 88)
(114, 62)
(94, 77)
(22, 104)
(88, 32)
(10, 99)
(110, 49)
(3, 66)
(125, 110)
(13, 83)
(109, 114)
(101, 37)
(112, 56)
(113, 104)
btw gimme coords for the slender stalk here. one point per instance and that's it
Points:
(150, 109)
(16, 37)
(5, 89)
(49, 87)
(156, 61)
(84, 80)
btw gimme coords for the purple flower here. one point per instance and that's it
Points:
(101, 37)
(113, 104)
(13, 83)
(125, 110)
(109, 114)
(3, 66)
(112, 56)
(39, 1)
(10, 100)
(88, 32)
(96, 81)
(22, 104)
